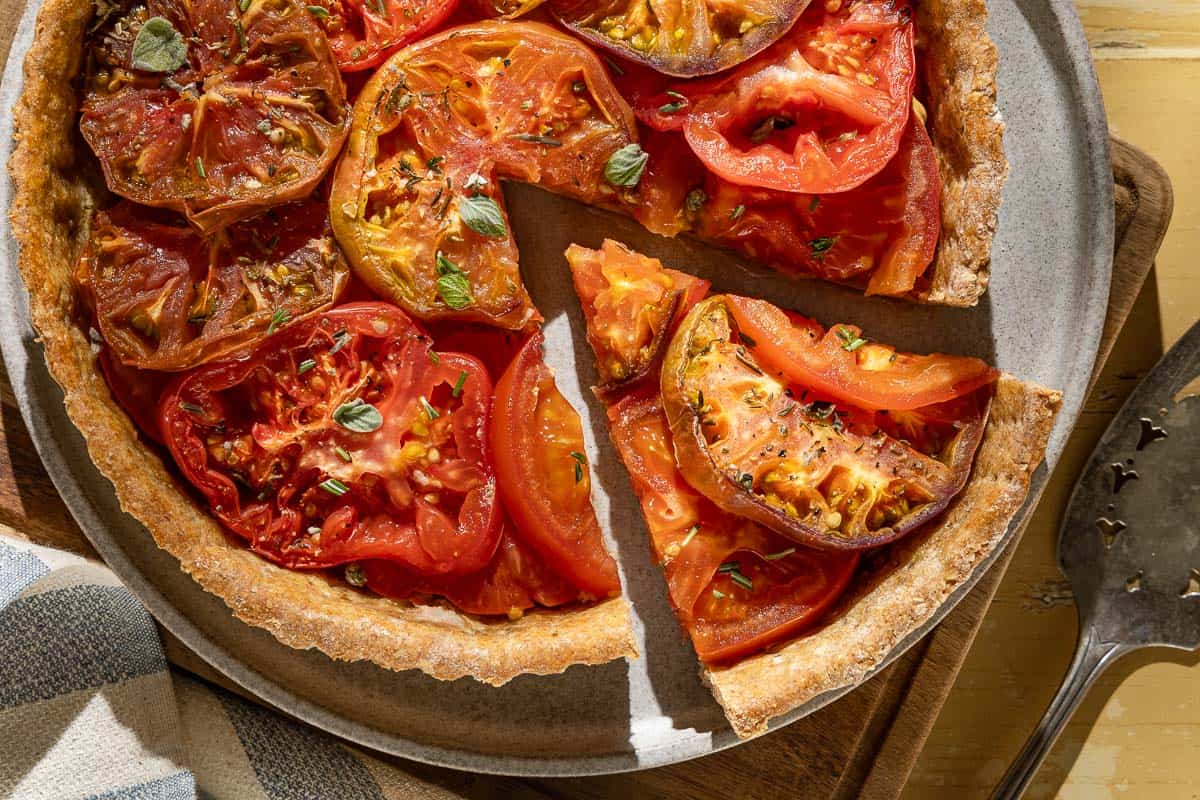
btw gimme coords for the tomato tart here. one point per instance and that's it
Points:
(269, 257)
(807, 492)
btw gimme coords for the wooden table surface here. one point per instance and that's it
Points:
(1138, 733)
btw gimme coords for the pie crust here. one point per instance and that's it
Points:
(57, 186)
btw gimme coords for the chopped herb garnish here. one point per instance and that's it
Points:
(358, 416)
(747, 481)
(281, 317)
(459, 384)
(305, 366)
(691, 534)
(243, 5)
(746, 339)
(822, 245)
(482, 214)
(717, 593)
(769, 126)
(430, 411)
(383, 12)
(334, 487)
(452, 284)
(741, 356)
(158, 47)
(675, 106)
(534, 138)
(191, 408)
(788, 410)
(848, 136)
(850, 341)
(340, 340)
(355, 575)
(695, 200)
(614, 66)
(318, 12)
(580, 463)
(728, 566)
(200, 168)
(780, 554)
(475, 182)
(626, 165)
(434, 358)
(742, 581)
(342, 454)
(737, 212)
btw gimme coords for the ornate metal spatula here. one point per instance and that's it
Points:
(1130, 542)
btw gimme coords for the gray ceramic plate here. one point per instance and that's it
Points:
(1041, 319)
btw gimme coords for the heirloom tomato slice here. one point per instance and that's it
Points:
(736, 586)
(819, 112)
(362, 33)
(213, 108)
(630, 304)
(416, 200)
(167, 298)
(341, 438)
(684, 38)
(768, 424)
(881, 236)
(544, 476)
(512, 582)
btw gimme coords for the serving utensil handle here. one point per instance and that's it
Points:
(1091, 658)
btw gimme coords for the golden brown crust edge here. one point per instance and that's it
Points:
(917, 576)
(52, 202)
(958, 62)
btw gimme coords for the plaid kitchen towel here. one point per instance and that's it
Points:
(90, 708)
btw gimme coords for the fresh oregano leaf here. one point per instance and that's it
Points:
(158, 47)
(358, 416)
(625, 167)
(482, 214)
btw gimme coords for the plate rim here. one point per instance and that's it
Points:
(22, 355)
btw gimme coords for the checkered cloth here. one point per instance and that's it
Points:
(90, 708)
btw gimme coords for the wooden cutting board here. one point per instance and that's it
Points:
(862, 746)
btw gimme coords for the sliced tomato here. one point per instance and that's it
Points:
(631, 304)
(763, 442)
(544, 477)
(819, 112)
(167, 298)
(344, 437)
(840, 364)
(253, 116)
(882, 236)
(362, 33)
(686, 38)
(512, 582)
(416, 199)
(736, 586)
(136, 391)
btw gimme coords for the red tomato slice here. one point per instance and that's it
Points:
(831, 362)
(737, 587)
(819, 112)
(251, 116)
(631, 304)
(882, 236)
(362, 33)
(167, 298)
(543, 474)
(513, 581)
(344, 437)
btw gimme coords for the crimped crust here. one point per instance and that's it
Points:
(957, 62)
(910, 580)
(56, 188)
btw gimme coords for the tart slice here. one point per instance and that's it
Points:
(812, 496)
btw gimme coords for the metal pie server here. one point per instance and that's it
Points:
(1130, 542)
